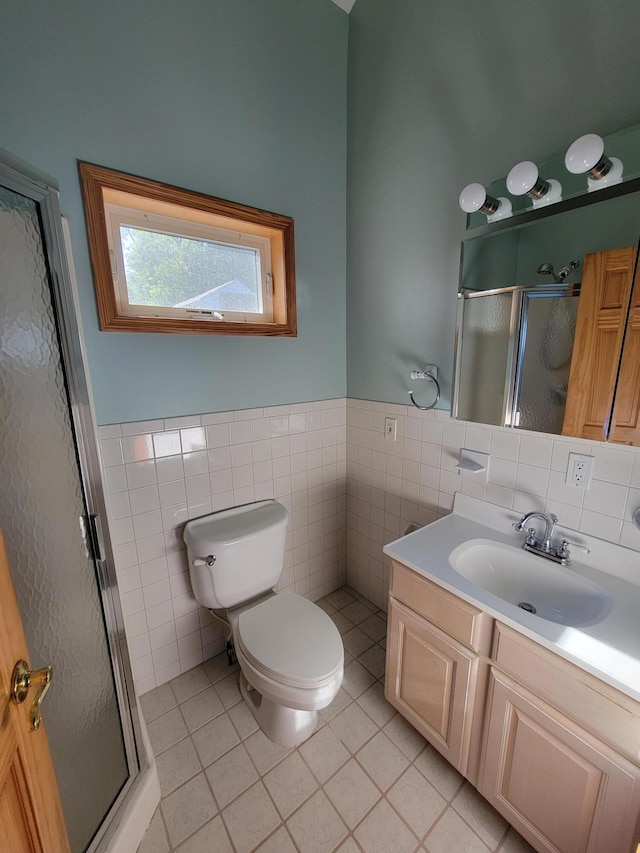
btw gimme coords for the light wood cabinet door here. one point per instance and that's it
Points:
(431, 679)
(560, 787)
(625, 422)
(597, 346)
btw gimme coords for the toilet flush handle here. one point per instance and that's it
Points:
(208, 561)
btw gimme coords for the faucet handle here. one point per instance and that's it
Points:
(564, 553)
(531, 537)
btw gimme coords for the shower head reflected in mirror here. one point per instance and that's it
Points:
(563, 272)
(547, 269)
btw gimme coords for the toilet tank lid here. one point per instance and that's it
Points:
(232, 525)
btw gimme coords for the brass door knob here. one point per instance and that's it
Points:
(22, 680)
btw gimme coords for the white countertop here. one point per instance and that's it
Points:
(609, 649)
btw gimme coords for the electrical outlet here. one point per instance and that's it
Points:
(390, 429)
(579, 470)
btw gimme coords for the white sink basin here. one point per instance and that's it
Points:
(535, 584)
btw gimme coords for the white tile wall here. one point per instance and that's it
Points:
(161, 473)
(391, 485)
(348, 492)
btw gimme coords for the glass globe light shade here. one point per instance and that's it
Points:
(472, 197)
(522, 178)
(585, 153)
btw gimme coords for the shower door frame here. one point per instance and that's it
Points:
(559, 291)
(517, 340)
(23, 179)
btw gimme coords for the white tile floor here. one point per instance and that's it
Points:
(365, 781)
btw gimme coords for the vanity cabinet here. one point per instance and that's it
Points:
(436, 672)
(557, 753)
(560, 787)
(555, 750)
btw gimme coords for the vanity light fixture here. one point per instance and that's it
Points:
(586, 154)
(525, 178)
(474, 197)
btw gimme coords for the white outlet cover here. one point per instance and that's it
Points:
(587, 470)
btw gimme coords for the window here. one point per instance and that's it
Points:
(169, 260)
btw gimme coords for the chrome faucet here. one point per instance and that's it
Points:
(543, 546)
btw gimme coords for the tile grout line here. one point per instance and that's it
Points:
(328, 724)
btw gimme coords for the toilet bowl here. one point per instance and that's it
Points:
(292, 663)
(289, 651)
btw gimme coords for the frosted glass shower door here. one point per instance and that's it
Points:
(485, 354)
(544, 362)
(41, 504)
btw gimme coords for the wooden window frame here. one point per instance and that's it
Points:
(102, 186)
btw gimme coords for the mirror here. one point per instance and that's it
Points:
(516, 364)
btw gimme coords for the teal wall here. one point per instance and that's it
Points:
(242, 99)
(442, 93)
(247, 100)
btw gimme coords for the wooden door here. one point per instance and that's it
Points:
(597, 347)
(560, 787)
(625, 422)
(30, 813)
(431, 679)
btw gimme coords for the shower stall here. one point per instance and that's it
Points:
(51, 509)
(513, 355)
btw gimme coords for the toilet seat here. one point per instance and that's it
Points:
(290, 641)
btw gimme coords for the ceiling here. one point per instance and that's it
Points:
(347, 5)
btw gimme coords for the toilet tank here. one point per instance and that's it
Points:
(247, 543)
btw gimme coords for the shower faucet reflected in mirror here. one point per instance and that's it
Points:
(563, 272)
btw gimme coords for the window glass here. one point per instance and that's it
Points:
(169, 260)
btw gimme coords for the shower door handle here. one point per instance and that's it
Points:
(22, 680)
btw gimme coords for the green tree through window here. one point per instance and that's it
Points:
(165, 269)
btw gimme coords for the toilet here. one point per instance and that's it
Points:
(290, 652)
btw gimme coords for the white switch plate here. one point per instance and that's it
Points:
(579, 470)
(390, 429)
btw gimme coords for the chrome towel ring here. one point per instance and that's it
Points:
(427, 373)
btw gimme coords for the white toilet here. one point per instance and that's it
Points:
(290, 652)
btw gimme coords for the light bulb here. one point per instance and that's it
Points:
(474, 197)
(586, 154)
(525, 178)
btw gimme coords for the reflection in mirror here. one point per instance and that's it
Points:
(622, 145)
(515, 332)
(605, 331)
(514, 355)
(547, 330)
(484, 356)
